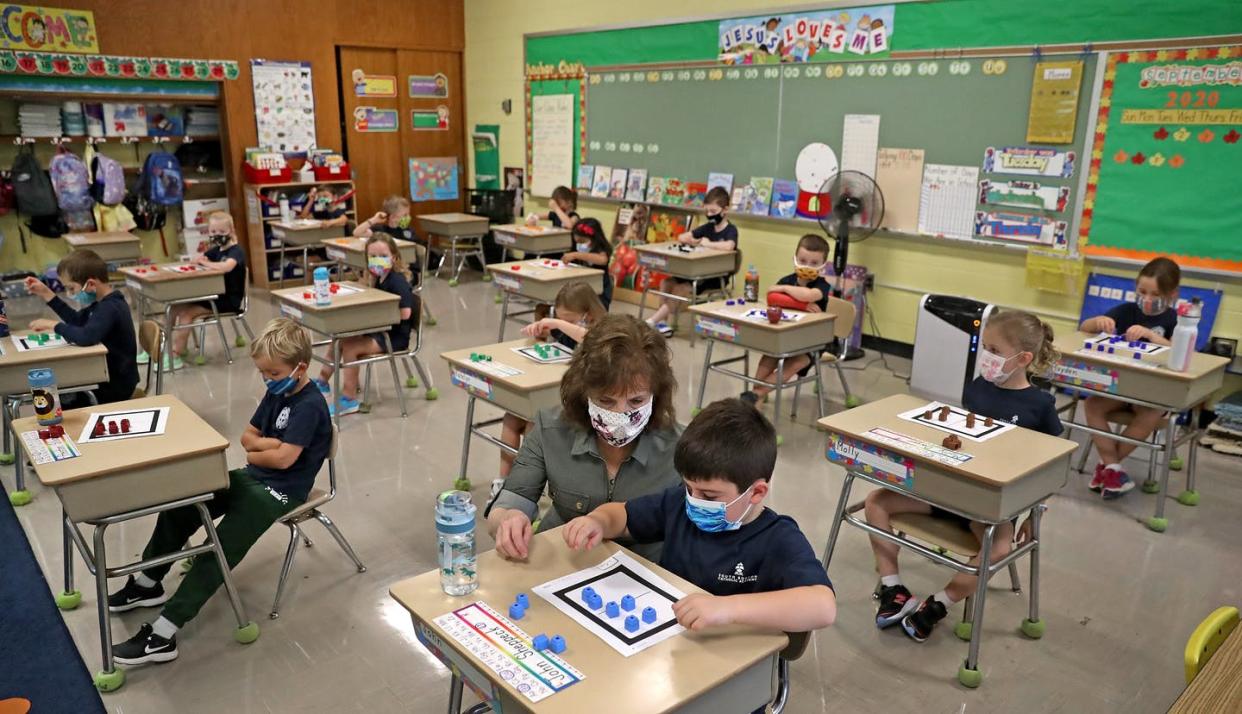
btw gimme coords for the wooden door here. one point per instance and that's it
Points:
(374, 155)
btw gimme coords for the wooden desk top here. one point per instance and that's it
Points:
(453, 217)
(367, 296)
(358, 245)
(721, 309)
(997, 461)
(1201, 364)
(531, 270)
(533, 231)
(86, 240)
(156, 273)
(40, 358)
(535, 375)
(660, 678)
(669, 248)
(1218, 686)
(186, 435)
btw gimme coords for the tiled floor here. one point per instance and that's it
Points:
(1119, 600)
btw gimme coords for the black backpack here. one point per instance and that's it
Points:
(32, 187)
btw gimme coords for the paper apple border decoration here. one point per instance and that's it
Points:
(54, 63)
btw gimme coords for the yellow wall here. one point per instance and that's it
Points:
(904, 268)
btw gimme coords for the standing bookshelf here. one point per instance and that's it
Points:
(262, 210)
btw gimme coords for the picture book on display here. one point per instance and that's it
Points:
(666, 225)
(599, 183)
(655, 189)
(617, 188)
(586, 173)
(636, 188)
(695, 193)
(674, 192)
(740, 198)
(724, 181)
(784, 198)
(762, 195)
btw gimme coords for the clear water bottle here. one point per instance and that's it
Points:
(455, 536)
(286, 214)
(323, 287)
(1185, 335)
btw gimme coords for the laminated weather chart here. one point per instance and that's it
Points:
(623, 603)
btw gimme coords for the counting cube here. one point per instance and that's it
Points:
(113, 428)
(522, 600)
(741, 301)
(333, 288)
(631, 623)
(45, 434)
(56, 430)
(649, 615)
(557, 644)
(124, 426)
(540, 642)
(306, 295)
(516, 611)
(612, 610)
(587, 593)
(627, 602)
(515, 267)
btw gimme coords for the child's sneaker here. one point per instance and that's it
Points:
(664, 328)
(1097, 481)
(895, 603)
(749, 397)
(143, 357)
(146, 646)
(498, 485)
(920, 623)
(1116, 483)
(344, 405)
(175, 364)
(134, 595)
(322, 385)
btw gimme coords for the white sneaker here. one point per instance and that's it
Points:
(498, 485)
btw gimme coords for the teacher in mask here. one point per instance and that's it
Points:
(612, 439)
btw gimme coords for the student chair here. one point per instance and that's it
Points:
(406, 357)
(1119, 419)
(842, 326)
(798, 642)
(293, 519)
(1207, 638)
(151, 339)
(200, 335)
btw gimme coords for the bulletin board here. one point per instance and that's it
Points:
(1165, 177)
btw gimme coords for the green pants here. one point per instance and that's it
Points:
(248, 508)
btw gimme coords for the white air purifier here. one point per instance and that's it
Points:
(946, 340)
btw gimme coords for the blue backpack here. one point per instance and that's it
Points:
(161, 179)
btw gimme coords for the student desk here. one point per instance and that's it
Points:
(531, 240)
(111, 246)
(361, 313)
(302, 233)
(720, 670)
(1218, 687)
(353, 252)
(115, 481)
(76, 368)
(534, 280)
(163, 283)
(693, 264)
(727, 321)
(1012, 472)
(537, 387)
(1148, 383)
(459, 230)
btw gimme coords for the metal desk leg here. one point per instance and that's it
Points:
(707, 365)
(1190, 497)
(837, 518)
(454, 705)
(1032, 626)
(247, 631)
(968, 674)
(165, 349)
(1158, 522)
(642, 304)
(463, 479)
(779, 377)
(819, 388)
(70, 597)
(20, 495)
(5, 416)
(336, 382)
(109, 678)
(504, 314)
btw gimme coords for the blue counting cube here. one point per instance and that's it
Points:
(612, 610)
(1087, 344)
(587, 594)
(595, 602)
(1137, 355)
(631, 623)
(516, 611)
(522, 600)
(540, 642)
(741, 301)
(649, 615)
(1111, 350)
(557, 644)
(627, 602)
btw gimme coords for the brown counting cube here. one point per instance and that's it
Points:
(944, 413)
(970, 420)
(952, 442)
(927, 414)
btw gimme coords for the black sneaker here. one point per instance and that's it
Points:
(895, 603)
(920, 623)
(134, 595)
(749, 397)
(146, 646)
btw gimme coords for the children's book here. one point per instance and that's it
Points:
(763, 195)
(724, 181)
(695, 193)
(617, 189)
(586, 172)
(784, 198)
(674, 192)
(667, 225)
(738, 199)
(599, 184)
(636, 188)
(655, 189)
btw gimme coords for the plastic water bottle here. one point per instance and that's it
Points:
(4, 326)
(286, 214)
(1185, 335)
(751, 289)
(44, 396)
(455, 535)
(323, 288)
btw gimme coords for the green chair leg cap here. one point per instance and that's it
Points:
(695, 412)
(780, 439)
(187, 565)
(452, 282)
(1033, 629)
(249, 633)
(852, 401)
(20, 498)
(364, 408)
(462, 484)
(69, 600)
(498, 298)
(431, 322)
(1158, 525)
(433, 394)
(1176, 463)
(200, 360)
(109, 681)
(814, 389)
(1150, 486)
(7, 459)
(1188, 498)
(963, 630)
(411, 382)
(487, 277)
(969, 677)
(240, 341)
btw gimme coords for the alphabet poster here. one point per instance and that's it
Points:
(284, 105)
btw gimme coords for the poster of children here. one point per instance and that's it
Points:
(823, 36)
(433, 179)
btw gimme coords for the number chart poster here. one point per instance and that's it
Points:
(1163, 176)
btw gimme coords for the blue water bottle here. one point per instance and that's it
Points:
(323, 287)
(4, 325)
(455, 535)
(44, 396)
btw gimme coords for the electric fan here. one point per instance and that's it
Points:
(857, 209)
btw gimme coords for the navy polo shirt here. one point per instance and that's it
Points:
(1030, 408)
(301, 419)
(1128, 314)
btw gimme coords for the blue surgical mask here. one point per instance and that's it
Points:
(84, 298)
(710, 517)
(282, 385)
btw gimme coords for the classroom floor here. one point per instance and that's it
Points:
(1118, 599)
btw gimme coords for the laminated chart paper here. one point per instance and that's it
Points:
(899, 174)
(1054, 102)
(552, 142)
(860, 140)
(284, 105)
(947, 201)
